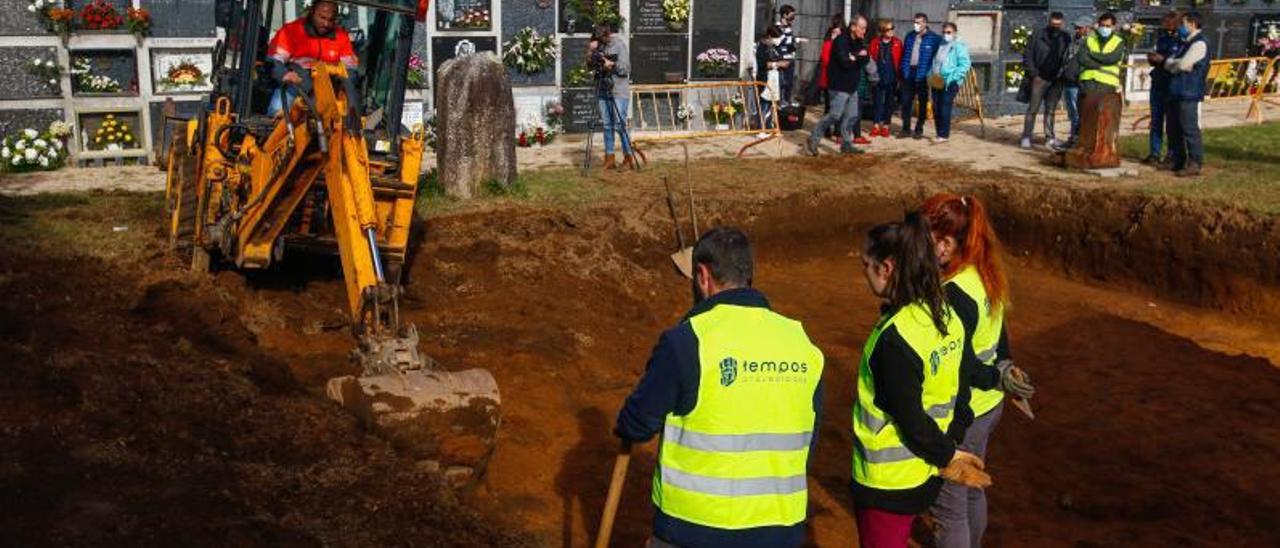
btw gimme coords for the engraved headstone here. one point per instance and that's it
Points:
(655, 57)
(464, 15)
(119, 65)
(36, 118)
(647, 17)
(580, 110)
(448, 47)
(17, 20)
(1263, 25)
(18, 80)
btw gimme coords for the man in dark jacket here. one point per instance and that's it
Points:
(787, 49)
(917, 58)
(849, 58)
(1166, 47)
(735, 391)
(1190, 69)
(1043, 60)
(1071, 79)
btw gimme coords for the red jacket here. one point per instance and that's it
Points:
(895, 45)
(298, 43)
(824, 60)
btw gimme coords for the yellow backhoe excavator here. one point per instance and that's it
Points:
(334, 172)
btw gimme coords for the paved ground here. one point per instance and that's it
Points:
(994, 149)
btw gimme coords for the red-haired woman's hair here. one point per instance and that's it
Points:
(965, 219)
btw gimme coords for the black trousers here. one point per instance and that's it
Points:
(915, 97)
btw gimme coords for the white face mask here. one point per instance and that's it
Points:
(919, 27)
(949, 38)
(1104, 32)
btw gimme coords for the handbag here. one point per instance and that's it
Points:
(936, 81)
(772, 87)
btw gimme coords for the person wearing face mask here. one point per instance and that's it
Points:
(886, 52)
(950, 68)
(918, 51)
(1161, 79)
(1190, 69)
(1043, 61)
(1100, 61)
(768, 58)
(735, 392)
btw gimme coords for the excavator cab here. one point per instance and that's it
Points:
(335, 172)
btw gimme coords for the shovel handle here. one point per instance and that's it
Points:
(615, 494)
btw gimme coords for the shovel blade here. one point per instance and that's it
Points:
(683, 260)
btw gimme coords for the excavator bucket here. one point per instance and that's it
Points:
(446, 420)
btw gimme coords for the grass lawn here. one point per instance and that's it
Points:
(1243, 168)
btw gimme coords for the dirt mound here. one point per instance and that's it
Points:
(145, 413)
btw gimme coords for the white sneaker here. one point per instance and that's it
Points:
(940, 140)
(763, 135)
(1053, 143)
(1026, 143)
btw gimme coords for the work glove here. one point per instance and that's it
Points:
(1014, 381)
(966, 469)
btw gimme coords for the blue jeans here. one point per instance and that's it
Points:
(943, 101)
(1071, 96)
(1186, 144)
(615, 121)
(844, 111)
(282, 96)
(1159, 120)
(915, 94)
(882, 95)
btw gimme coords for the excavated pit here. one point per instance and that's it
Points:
(142, 405)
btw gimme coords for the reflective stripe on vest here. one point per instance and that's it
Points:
(880, 459)
(1110, 74)
(985, 337)
(739, 459)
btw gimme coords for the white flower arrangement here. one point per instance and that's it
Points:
(685, 113)
(87, 82)
(47, 70)
(30, 150)
(529, 52)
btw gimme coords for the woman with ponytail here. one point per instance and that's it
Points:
(913, 392)
(968, 252)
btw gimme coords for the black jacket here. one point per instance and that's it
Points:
(1045, 55)
(843, 73)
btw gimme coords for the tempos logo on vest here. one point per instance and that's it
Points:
(935, 357)
(762, 371)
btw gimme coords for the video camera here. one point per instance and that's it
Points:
(603, 76)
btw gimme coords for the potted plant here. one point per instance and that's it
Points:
(676, 12)
(717, 63)
(30, 150)
(100, 15)
(113, 134)
(416, 78)
(529, 52)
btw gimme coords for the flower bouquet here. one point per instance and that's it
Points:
(46, 70)
(56, 18)
(100, 15)
(416, 78)
(717, 63)
(578, 77)
(1013, 76)
(1020, 38)
(472, 18)
(596, 12)
(684, 113)
(30, 150)
(86, 82)
(676, 12)
(722, 113)
(554, 115)
(139, 21)
(185, 75)
(529, 52)
(113, 134)
(1132, 34)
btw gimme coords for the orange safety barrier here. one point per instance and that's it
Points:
(669, 112)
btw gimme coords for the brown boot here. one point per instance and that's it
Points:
(610, 162)
(1192, 170)
(628, 163)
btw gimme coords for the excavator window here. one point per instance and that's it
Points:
(381, 32)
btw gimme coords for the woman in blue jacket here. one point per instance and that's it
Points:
(950, 68)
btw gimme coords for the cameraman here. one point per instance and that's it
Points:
(608, 58)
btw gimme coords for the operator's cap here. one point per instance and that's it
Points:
(1083, 21)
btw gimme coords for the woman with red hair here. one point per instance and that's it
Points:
(969, 253)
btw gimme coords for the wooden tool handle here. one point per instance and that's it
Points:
(615, 494)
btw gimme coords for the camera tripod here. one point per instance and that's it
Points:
(623, 131)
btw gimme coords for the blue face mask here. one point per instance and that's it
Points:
(1184, 32)
(1104, 32)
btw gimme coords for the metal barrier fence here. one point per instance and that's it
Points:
(970, 97)
(1256, 79)
(669, 112)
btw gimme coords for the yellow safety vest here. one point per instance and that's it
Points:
(986, 335)
(1110, 74)
(739, 459)
(880, 459)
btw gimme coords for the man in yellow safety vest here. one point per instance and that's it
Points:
(1100, 61)
(734, 389)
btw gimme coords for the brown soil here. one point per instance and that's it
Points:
(141, 404)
